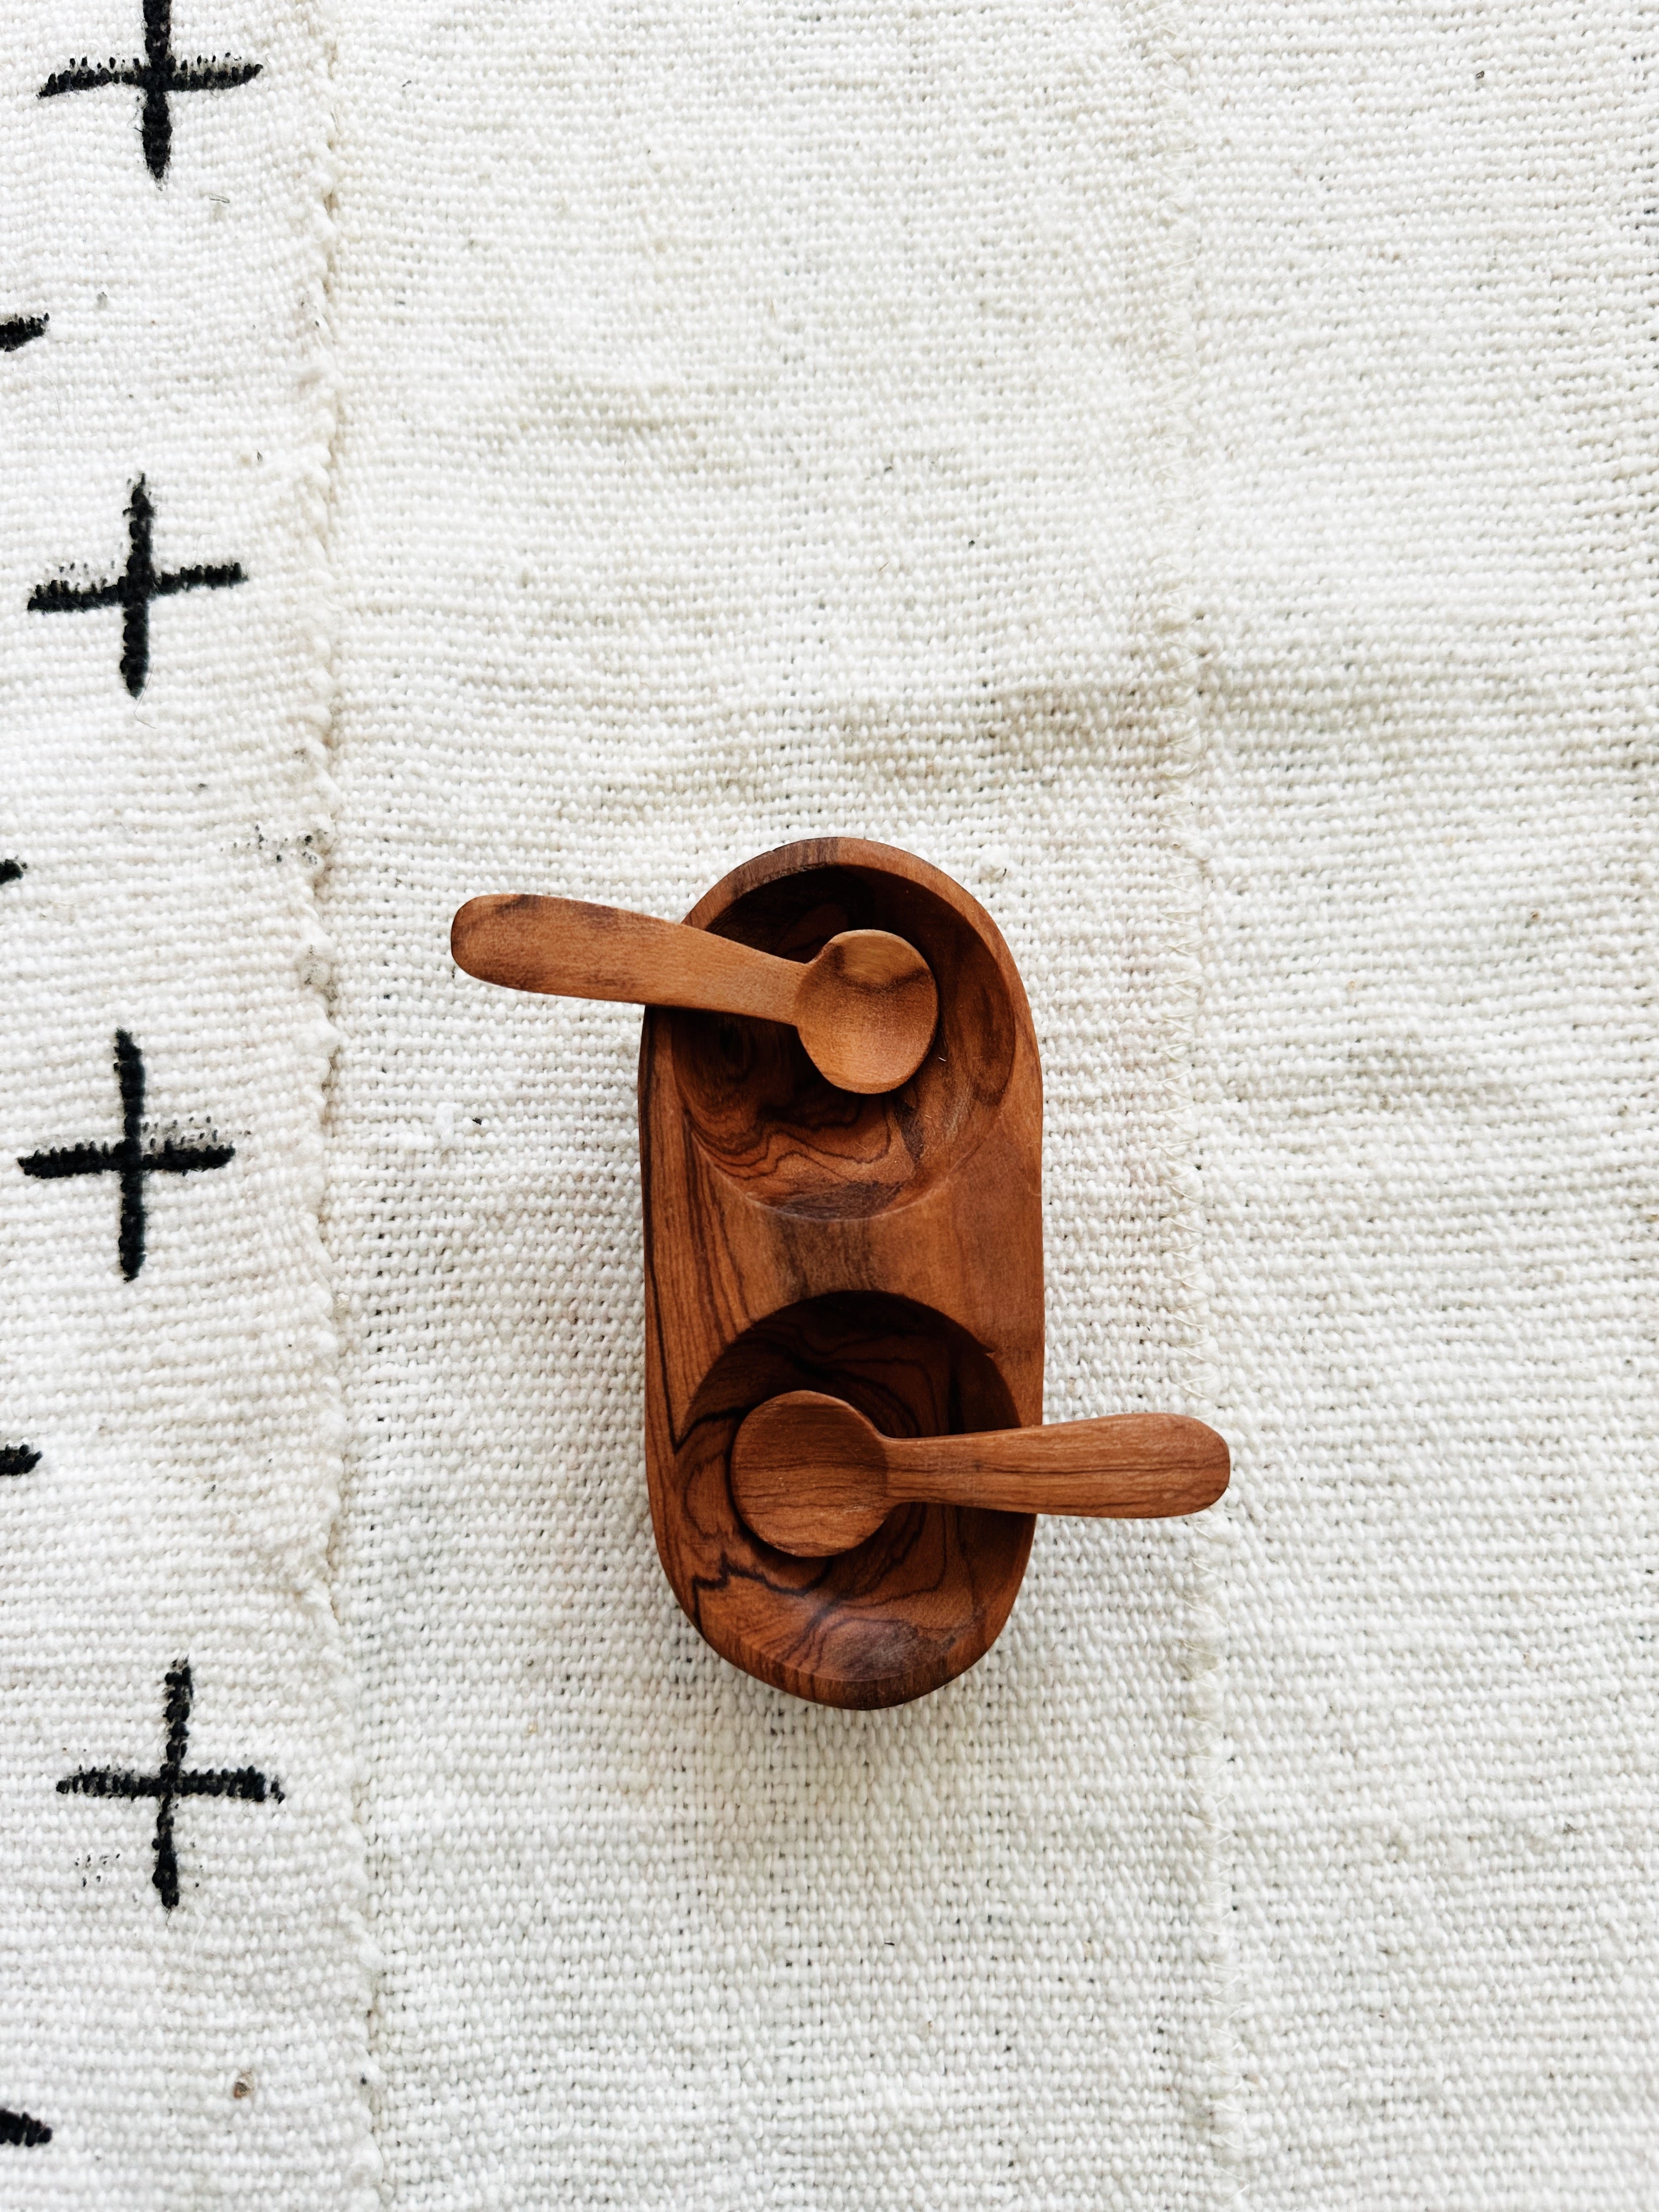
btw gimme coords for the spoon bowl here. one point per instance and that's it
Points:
(866, 1007)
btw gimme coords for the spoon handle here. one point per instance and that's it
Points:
(1125, 1466)
(571, 950)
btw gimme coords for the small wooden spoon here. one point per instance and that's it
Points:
(811, 1476)
(866, 1006)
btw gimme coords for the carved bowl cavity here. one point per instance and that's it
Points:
(765, 1118)
(915, 1604)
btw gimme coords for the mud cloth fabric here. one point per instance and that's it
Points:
(1185, 471)
(182, 1982)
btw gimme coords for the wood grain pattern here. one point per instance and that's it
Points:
(813, 1476)
(841, 1134)
(884, 1249)
(865, 1006)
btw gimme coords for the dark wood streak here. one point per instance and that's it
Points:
(885, 1249)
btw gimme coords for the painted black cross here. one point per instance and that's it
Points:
(139, 582)
(131, 1158)
(174, 1780)
(158, 76)
(24, 2130)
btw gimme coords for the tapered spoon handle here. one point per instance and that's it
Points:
(1125, 1466)
(571, 950)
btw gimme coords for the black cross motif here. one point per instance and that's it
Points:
(132, 591)
(158, 76)
(131, 1158)
(21, 331)
(23, 2130)
(18, 1459)
(175, 1780)
(10, 871)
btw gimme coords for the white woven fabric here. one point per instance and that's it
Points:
(754, 425)
(1186, 470)
(1426, 638)
(186, 1421)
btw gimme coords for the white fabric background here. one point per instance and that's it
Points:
(1185, 470)
(188, 1422)
(1425, 626)
(752, 426)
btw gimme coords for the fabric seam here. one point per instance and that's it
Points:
(320, 385)
(1217, 2077)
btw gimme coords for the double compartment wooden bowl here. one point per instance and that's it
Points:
(887, 1250)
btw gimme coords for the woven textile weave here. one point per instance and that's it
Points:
(1188, 471)
(176, 1430)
